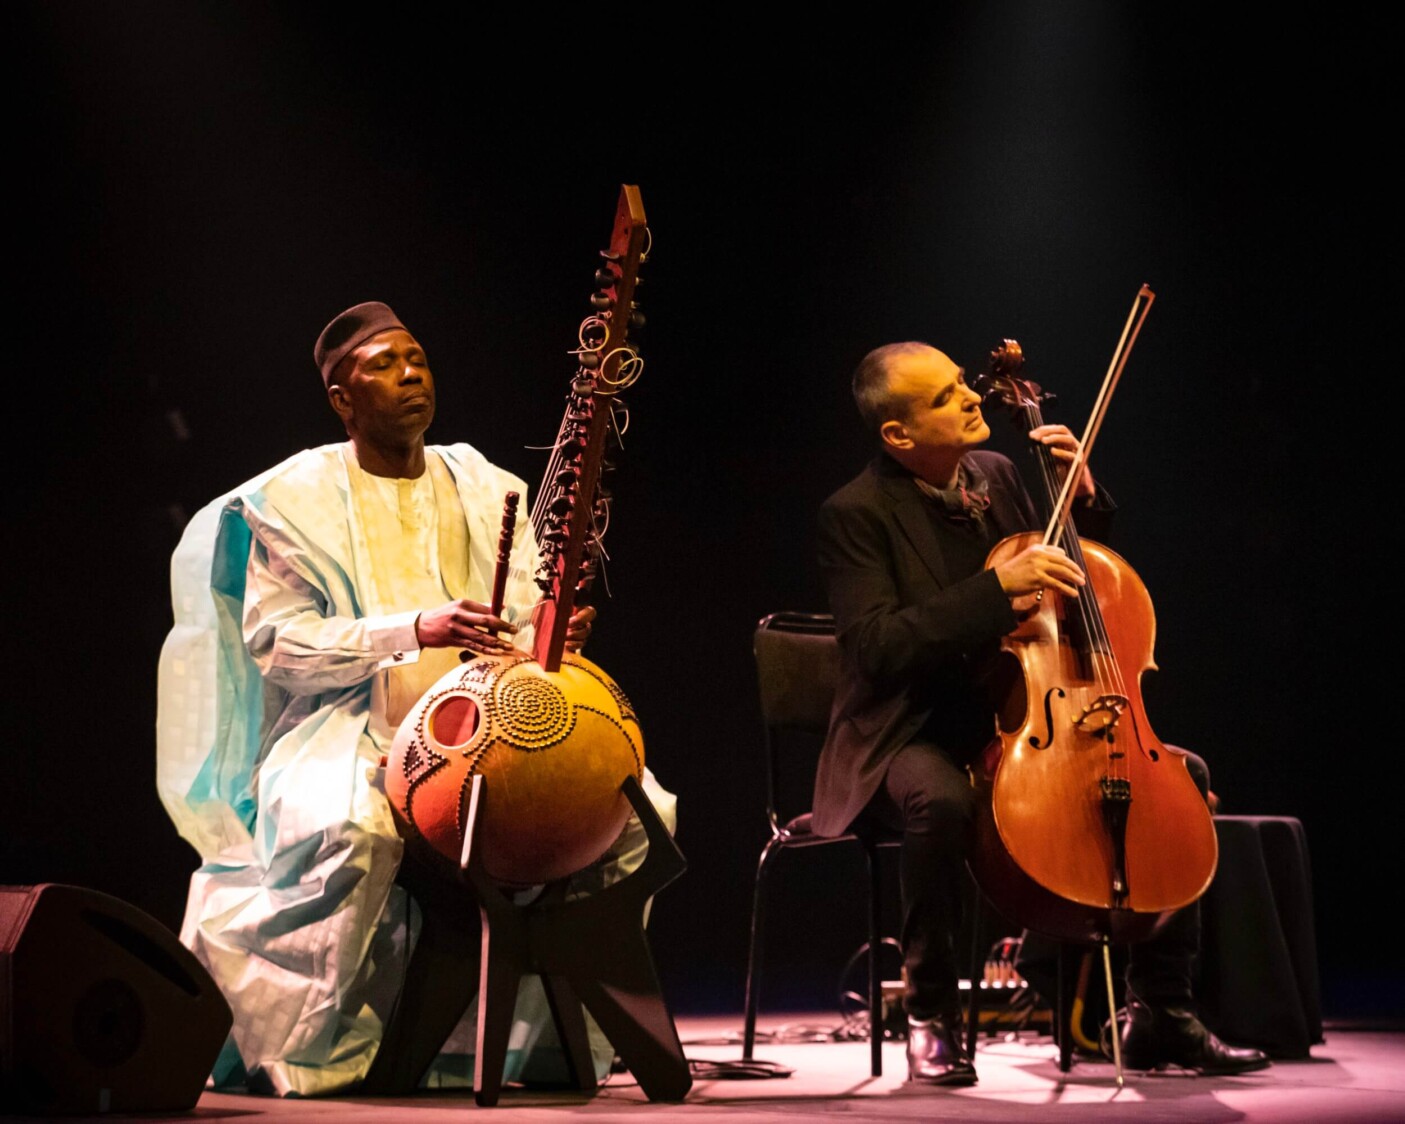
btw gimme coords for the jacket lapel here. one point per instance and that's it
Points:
(908, 507)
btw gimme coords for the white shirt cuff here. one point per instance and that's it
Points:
(393, 639)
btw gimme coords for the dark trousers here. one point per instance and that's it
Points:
(927, 796)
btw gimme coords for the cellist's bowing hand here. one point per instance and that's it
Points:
(578, 629)
(1063, 445)
(1035, 569)
(463, 624)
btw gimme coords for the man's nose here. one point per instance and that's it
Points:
(411, 373)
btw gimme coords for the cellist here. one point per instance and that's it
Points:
(902, 548)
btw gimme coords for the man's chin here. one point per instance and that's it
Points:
(409, 432)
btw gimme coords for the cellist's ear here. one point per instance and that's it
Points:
(894, 434)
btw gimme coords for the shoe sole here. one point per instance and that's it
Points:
(949, 1081)
(1199, 1071)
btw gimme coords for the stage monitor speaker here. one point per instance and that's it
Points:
(101, 1008)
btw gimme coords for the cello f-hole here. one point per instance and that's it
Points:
(1048, 719)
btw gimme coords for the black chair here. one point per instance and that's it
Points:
(797, 666)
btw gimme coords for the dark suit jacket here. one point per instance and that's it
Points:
(912, 635)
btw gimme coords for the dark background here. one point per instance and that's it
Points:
(197, 188)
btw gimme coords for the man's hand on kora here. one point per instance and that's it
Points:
(463, 624)
(1035, 569)
(578, 630)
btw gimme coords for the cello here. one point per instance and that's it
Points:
(1088, 828)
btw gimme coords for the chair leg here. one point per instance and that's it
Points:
(875, 976)
(753, 956)
(1063, 1014)
(973, 1003)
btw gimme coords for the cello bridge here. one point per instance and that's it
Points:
(1100, 717)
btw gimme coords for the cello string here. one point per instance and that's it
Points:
(1086, 607)
(1136, 317)
(1061, 515)
(1106, 671)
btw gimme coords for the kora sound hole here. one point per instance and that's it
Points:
(454, 721)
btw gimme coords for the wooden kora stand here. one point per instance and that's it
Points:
(590, 952)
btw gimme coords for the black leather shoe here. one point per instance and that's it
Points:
(934, 1053)
(1162, 1036)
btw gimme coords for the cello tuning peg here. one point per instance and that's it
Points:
(636, 319)
(605, 277)
(602, 302)
(609, 255)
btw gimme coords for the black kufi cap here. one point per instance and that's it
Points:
(350, 330)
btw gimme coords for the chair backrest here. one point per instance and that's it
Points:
(797, 669)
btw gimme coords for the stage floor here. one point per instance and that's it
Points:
(1357, 1075)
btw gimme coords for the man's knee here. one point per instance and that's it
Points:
(932, 792)
(940, 809)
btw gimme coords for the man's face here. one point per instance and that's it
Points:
(940, 412)
(387, 396)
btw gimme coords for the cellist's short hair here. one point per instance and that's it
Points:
(873, 393)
